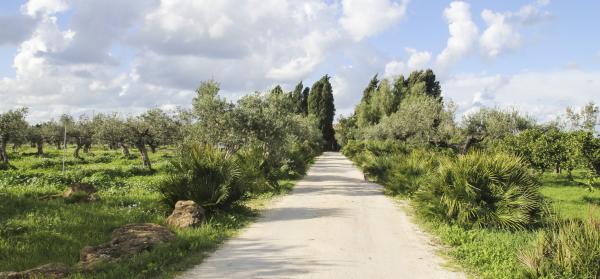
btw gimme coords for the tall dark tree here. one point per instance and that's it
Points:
(304, 105)
(296, 97)
(320, 104)
(425, 82)
(370, 90)
(365, 112)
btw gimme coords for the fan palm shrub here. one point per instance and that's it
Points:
(252, 165)
(408, 173)
(202, 173)
(566, 249)
(482, 190)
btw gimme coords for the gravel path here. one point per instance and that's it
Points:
(333, 225)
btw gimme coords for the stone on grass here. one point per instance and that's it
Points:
(51, 270)
(186, 214)
(126, 241)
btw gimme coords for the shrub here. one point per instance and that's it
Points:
(568, 249)
(253, 175)
(201, 173)
(408, 173)
(482, 190)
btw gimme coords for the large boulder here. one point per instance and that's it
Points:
(126, 241)
(52, 270)
(80, 192)
(186, 214)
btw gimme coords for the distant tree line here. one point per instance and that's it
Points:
(212, 119)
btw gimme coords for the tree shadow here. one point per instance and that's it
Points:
(299, 213)
(254, 258)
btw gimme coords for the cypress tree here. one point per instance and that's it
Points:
(297, 98)
(320, 104)
(365, 112)
(304, 104)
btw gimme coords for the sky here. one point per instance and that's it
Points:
(89, 56)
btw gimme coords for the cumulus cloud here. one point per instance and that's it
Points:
(499, 35)
(542, 95)
(463, 34)
(96, 27)
(363, 18)
(417, 60)
(130, 55)
(15, 28)
(502, 33)
(36, 8)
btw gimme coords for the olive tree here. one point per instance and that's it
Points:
(12, 127)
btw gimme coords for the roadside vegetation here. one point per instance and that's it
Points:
(510, 197)
(228, 158)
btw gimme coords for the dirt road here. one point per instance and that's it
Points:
(333, 225)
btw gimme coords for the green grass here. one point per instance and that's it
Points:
(570, 198)
(37, 227)
(485, 253)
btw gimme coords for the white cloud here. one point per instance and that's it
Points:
(543, 95)
(130, 55)
(363, 18)
(43, 7)
(463, 34)
(499, 35)
(417, 60)
(395, 68)
(503, 29)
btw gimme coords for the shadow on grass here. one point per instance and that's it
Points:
(592, 200)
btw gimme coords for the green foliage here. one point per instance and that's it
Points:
(409, 173)
(415, 120)
(485, 253)
(12, 129)
(591, 152)
(201, 173)
(482, 190)
(554, 149)
(567, 249)
(495, 124)
(320, 105)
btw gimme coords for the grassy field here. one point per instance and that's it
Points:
(492, 253)
(37, 228)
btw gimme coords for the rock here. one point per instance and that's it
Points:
(186, 214)
(80, 192)
(52, 270)
(126, 241)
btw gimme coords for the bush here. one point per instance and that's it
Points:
(409, 173)
(568, 249)
(482, 190)
(253, 175)
(201, 173)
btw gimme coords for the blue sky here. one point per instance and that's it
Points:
(60, 56)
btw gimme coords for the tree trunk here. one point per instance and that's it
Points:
(40, 148)
(76, 152)
(557, 168)
(3, 154)
(87, 147)
(144, 153)
(58, 147)
(125, 149)
(153, 148)
(15, 147)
